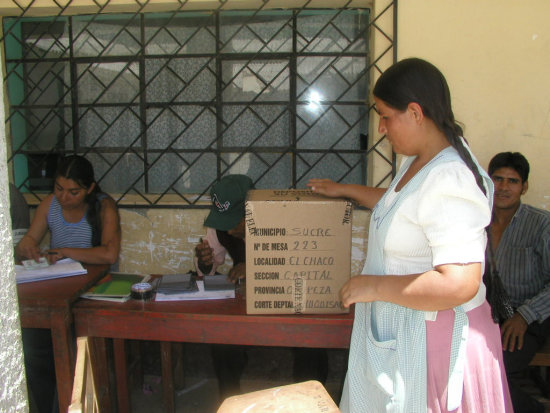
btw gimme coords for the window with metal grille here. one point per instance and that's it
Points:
(165, 104)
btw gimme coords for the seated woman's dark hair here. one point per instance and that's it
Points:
(514, 160)
(80, 170)
(416, 80)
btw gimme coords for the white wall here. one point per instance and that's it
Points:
(495, 55)
(13, 395)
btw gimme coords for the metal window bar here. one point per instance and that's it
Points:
(216, 106)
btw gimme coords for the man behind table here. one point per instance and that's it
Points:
(225, 233)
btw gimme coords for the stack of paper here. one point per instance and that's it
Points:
(217, 282)
(177, 284)
(201, 294)
(62, 268)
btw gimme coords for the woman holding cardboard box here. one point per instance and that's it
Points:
(423, 336)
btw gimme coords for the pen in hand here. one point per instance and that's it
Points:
(55, 256)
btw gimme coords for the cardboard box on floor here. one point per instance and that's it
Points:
(298, 252)
(306, 397)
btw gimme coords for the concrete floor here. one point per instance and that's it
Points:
(267, 367)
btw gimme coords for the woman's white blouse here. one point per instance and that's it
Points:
(443, 222)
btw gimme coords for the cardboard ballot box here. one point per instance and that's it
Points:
(298, 252)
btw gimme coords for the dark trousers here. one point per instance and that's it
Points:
(517, 364)
(310, 364)
(230, 362)
(40, 369)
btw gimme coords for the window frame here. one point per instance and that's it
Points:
(153, 200)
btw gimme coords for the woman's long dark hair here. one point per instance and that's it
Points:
(80, 170)
(415, 80)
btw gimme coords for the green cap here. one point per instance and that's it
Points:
(228, 197)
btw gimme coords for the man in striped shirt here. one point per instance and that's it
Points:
(520, 244)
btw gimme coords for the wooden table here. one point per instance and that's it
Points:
(206, 321)
(47, 304)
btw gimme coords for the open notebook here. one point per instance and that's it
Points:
(115, 286)
(62, 268)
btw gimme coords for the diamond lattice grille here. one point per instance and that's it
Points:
(164, 103)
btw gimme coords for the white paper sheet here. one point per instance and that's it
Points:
(62, 268)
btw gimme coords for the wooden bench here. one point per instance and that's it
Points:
(307, 397)
(542, 358)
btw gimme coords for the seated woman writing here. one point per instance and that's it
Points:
(84, 225)
(83, 221)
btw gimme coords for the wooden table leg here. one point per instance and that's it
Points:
(121, 373)
(178, 349)
(135, 363)
(102, 378)
(63, 351)
(167, 376)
